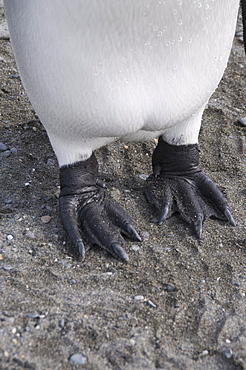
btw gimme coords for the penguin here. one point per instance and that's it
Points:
(100, 71)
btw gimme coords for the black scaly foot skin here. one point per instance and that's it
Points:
(179, 185)
(87, 213)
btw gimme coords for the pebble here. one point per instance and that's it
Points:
(78, 359)
(170, 288)
(205, 352)
(30, 234)
(45, 219)
(135, 248)
(3, 147)
(139, 298)
(61, 323)
(9, 237)
(13, 150)
(143, 176)
(32, 315)
(50, 162)
(6, 153)
(7, 267)
(242, 121)
(228, 353)
(151, 304)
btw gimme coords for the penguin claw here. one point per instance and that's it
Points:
(198, 226)
(133, 233)
(228, 216)
(81, 248)
(163, 214)
(118, 251)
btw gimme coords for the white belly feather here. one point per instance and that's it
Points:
(100, 70)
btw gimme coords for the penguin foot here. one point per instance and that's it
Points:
(87, 213)
(179, 185)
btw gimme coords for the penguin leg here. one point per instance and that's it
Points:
(179, 185)
(87, 213)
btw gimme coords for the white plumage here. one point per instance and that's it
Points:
(99, 70)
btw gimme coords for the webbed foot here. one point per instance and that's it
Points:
(179, 185)
(87, 213)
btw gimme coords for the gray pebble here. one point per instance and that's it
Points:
(9, 237)
(7, 267)
(135, 248)
(170, 288)
(61, 323)
(3, 147)
(32, 315)
(139, 298)
(8, 201)
(29, 234)
(50, 162)
(6, 153)
(78, 359)
(242, 121)
(143, 176)
(151, 304)
(13, 150)
(228, 353)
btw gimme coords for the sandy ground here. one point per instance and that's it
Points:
(177, 304)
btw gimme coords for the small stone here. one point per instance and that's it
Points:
(14, 330)
(30, 234)
(61, 323)
(3, 147)
(27, 184)
(50, 162)
(78, 359)
(139, 298)
(228, 353)
(9, 237)
(32, 315)
(170, 288)
(143, 176)
(6, 153)
(45, 219)
(205, 352)
(151, 304)
(135, 248)
(13, 150)
(7, 267)
(242, 121)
